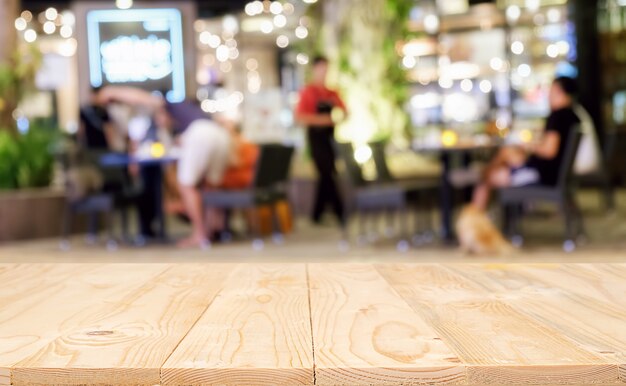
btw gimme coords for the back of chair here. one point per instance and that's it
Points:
(346, 153)
(566, 169)
(379, 155)
(609, 146)
(273, 165)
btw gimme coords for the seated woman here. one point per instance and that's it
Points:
(538, 163)
(238, 175)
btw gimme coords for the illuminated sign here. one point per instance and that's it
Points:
(138, 47)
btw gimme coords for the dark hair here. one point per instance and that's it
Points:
(96, 89)
(568, 85)
(319, 59)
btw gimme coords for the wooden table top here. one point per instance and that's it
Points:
(326, 324)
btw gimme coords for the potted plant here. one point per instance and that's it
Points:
(26, 158)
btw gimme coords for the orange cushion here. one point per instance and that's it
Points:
(241, 175)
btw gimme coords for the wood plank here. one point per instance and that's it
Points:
(126, 341)
(42, 301)
(256, 332)
(366, 334)
(25, 290)
(499, 344)
(5, 377)
(599, 281)
(596, 325)
(5, 268)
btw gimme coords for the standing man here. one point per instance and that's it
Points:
(314, 111)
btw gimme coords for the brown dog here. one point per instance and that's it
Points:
(478, 235)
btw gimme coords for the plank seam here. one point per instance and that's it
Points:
(200, 315)
(308, 286)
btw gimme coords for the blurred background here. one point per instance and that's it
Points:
(413, 74)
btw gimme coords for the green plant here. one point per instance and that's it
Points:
(361, 38)
(17, 77)
(27, 161)
(9, 156)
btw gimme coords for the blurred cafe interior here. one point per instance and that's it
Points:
(417, 76)
(319, 192)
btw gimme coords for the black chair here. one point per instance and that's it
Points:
(514, 200)
(268, 187)
(92, 204)
(373, 197)
(421, 193)
(119, 184)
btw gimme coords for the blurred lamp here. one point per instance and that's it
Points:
(449, 138)
(362, 154)
(157, 150)
(230, 24)
(20, 24)
(526, 136)
(123, 4)
(533, 5)
(513, 14)
(51, 13)
(30, 35)
(280, 21)
(431, 24)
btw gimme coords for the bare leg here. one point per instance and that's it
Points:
(480, 198)
(507, 156)
(192, 200)
(214, 221)
(497, 174)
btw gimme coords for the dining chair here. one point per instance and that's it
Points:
(421, 192)
(369, 198)
(515, 200)
(269, 186)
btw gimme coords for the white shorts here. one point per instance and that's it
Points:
(524, 176)
(204, 153)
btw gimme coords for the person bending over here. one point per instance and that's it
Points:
(204, 150)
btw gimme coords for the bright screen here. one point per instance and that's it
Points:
(137, 47)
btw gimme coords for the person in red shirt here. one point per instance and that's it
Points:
(314, 111)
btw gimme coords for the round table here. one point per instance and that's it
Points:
(447, 153)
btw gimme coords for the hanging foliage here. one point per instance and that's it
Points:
(17, 78)
(360, 38)
(26, 160)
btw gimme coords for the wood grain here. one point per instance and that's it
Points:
(604, 282)
(598, 326)
(5, 268)
(5, 377)
(127, 340)
(256, 332)
(42, 301)
(365, 333)
(32, 294)
(498, 343)
(352, 324)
